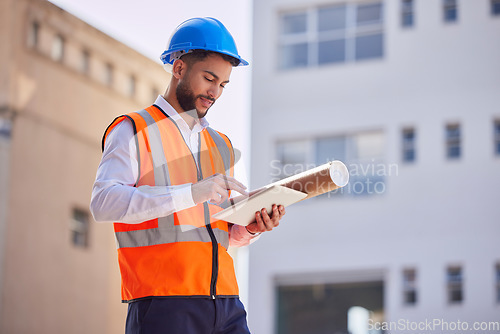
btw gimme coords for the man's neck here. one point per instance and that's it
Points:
(186, 116)
(190, 120)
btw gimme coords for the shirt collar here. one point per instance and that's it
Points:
(200, 124)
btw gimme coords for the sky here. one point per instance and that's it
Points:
(146, 26)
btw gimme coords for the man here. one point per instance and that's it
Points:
(163, 174)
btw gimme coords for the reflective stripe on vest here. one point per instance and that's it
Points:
(165, 160)
(159, 160)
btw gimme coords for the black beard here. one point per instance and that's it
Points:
(187, 100)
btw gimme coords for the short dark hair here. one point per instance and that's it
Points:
(198, 55)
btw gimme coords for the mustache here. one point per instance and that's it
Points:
(206, 97)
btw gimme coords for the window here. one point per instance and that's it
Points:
(294, 51)
(131, 86)
(154, 94)
(453, 150)
(331, 34)
(108, 75)
(79, 227)
(497, 279)
(455, 285)
(85, 62)
(407, 13)
(409, 154)
(345, 307)
(409, 286)
(362, 152)
(58, 48)
(5, 127)
(496, 137)
(450, 10)
(292, 158)
(34, 35)
(495, 7)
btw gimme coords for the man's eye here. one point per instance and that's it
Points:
(209, 79)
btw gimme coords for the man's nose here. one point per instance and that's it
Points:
(214, 91)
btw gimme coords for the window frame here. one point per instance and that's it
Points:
(496, 137)
(450, 5)
(455, 283)
(452, 142)
(494, 5)
(34, 35)
(5, 127)
(408, 145)
(155, 92)
(497, 283)
(79, 226)
(308, 155)
(366, 165)
(312, 37)
(85, 62)
(109, 74)
(132, 86)
(407, 11)
(57, 52)
(409, 286)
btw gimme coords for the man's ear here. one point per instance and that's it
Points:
(179, 68)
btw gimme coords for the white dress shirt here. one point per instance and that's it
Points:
(114, 197)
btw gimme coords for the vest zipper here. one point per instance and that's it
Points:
(215, 253)
(206, 210)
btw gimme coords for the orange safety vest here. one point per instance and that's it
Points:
(185, 253)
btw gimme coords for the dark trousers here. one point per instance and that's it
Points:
(186, 316)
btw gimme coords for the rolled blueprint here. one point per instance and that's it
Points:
(318, 180)
(312, 182)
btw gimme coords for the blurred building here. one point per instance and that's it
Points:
(407, 94)
(61, 83)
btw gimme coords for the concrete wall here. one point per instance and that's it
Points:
(434, 212)
(60, 115)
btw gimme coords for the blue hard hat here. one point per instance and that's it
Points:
(200, 34)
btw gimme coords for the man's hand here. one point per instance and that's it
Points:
(215, 189)
(265, 223)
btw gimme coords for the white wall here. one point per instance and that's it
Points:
(435, 212)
